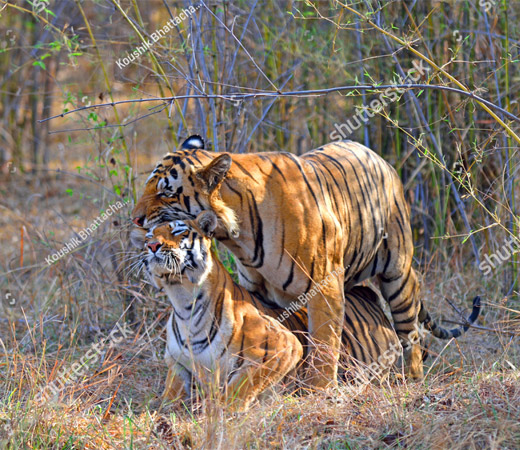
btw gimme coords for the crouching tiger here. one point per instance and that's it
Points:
(218, 328)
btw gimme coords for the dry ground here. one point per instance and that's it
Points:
(470, 397)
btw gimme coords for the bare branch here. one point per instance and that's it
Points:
(305, 93)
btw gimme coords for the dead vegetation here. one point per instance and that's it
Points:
(52, 186)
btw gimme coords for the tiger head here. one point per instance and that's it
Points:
(182, 186)
(177, 249)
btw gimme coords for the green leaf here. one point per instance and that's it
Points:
(39, 64)
(69, 191)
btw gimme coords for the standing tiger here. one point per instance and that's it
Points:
(220, 330)
(290, 221)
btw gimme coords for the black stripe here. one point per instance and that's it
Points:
(187, 203)
(238, 193)
(388, 261)
(178, 161)
(226, 347)
(290, 278)
(177, 334)
(243, 169)
(195, 157)
(374, 266)
(396, 294)
(277, 169)
(258, 235)
(389, 280)
(282, 242)
(200, 345)
(201, 206)
(266, 348)
(311, 277)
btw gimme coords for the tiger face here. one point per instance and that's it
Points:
(182, 185)
(179, 249)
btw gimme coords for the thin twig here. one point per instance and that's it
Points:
(137, 119)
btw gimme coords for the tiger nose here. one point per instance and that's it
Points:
(154, 246)
(139, 221)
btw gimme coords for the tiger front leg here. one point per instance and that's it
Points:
(174, 388)
(178, 382)
(257, 375)
(326, 310)
(248, 385)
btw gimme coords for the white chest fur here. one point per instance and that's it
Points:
(195, 340)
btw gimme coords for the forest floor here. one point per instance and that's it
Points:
(53, 315)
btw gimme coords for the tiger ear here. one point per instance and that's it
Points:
(207, 222)
(213, 173)
(193, 142)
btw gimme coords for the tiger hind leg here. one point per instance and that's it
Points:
(401, 291)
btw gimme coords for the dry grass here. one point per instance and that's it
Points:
(469, 399)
